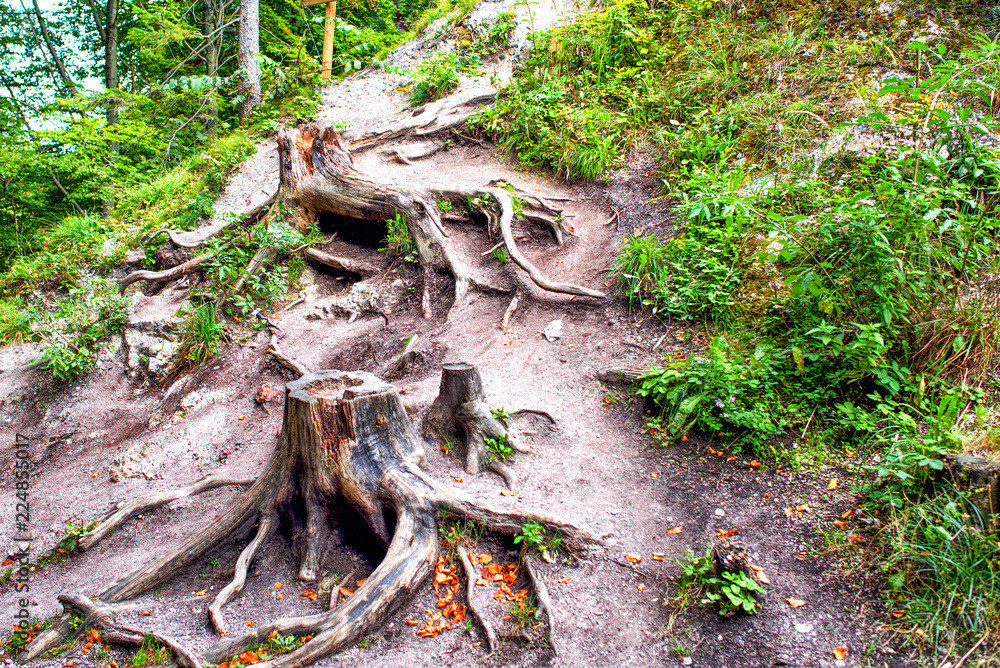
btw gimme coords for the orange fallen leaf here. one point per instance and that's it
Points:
(280, 596)
(633, 557)
(563, 581)
(243, 417)
(94, 474)
(641, 587)
(719, 533)
(804, 508)
(840, 524)
(713, 451)
(410, 622)
(657, 556)
(848, 514)
(674, 531)
(459, 480)
(362, 581)
(145, 614)
(94, 636)
(730, 458)
(308, 593)
(504, 492)
(761, 576)
(482, 583)
(345, 592)
(278, 585)
(855, 539)
(898, 613)
(247, 658)
(88, 646)
(767, 495)
(839, 653)
(251, 624)
(832, 484)
(788, 512)
(202, 592)
(654, 474)
(485, 558)
(68, 664)
(7, 562)
(796, 603)
(754, 464)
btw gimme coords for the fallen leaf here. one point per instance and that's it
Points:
(796, 603)
(68, 664)
(839, 653)
(898, 613)
(410, 622)
(308, 593)
(657, 556)
(94, 474)
(362, 581)
(633, 557)
(855, 539)
(719, 533)
(251, 624)
(840, 524)
(243, 417)
(345, 592)
(674, 531)
(247, 658)
(485, 558)
(804, 508)
(202, 592)
(278, 585)
(713, 451)
(761, 576)
(848, 514)
(832, 484)
(730, 458)
(848, 452)
(641, 587)
(7, 562)
(767, 495)
(94, 636)
(88, 646)
(754, 464)
(563, 581)
(280, 596)
(654, 474)
(482, 583)
(789, 511)
(145, 614)
(504, 492)
(459, 480)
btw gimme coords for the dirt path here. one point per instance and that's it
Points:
(596, 467)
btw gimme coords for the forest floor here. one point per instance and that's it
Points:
(596, 467)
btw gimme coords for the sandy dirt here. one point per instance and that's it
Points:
(597, 467)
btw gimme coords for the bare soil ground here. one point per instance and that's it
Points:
(596, 467)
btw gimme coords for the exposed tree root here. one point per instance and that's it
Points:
(155, 500)
(175, 238)
(165, 275)
(621, 375)
(426, 120)
(471, 575)
(544, 602)
(317, 175)
(341, 263)
(346, 435)
(509, 312)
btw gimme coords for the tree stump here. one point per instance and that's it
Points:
(346, 436)
(461, 406)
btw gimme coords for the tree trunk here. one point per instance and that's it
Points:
(111, 83)
(211, 21)
(346, 436)
(63, 72)
(249, 47)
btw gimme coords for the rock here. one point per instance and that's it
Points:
(152, 334)
(719, 512)
(553, 330)
(804, 628)
(687, 661)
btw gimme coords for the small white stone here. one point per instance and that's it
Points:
(719, 512)
(687, 661)
(804, 628)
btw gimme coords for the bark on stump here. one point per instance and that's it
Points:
(346, 435)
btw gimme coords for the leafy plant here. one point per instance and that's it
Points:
(150, 653)
(499, 447)
(201, 336)
(522, 612)
(398, 239)
(729, 593)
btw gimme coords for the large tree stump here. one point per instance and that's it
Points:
(346, 436)
(461, 406)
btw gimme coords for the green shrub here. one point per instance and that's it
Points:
(398, 239)
(200, 336)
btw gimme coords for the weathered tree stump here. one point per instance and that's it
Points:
(461, 406)
(346, 436)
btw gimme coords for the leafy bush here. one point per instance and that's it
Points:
(200, 336)
(729, 592)
(398, 239)
(438, 76)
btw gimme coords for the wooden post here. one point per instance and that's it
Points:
(328, 29)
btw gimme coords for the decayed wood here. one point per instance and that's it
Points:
(341, 263)
(175, 238)
(623, 375)
(155, 500)
(346, 436)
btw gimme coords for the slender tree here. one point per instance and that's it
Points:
(249, 47)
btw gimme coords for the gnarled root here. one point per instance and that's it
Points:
(471, 575)
(542, 595)
(317, 175)
(346, 435)
(155, 500)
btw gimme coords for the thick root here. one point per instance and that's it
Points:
(544, 602)
(471, 576)
(268, 523)
(155, 500)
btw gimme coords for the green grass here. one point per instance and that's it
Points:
(201, 336)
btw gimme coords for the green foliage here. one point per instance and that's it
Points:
(522, 612)
(150, 653)
(200, 336)
(944, 569)
(533, 537)
(71, 327)
(444, 206)
(399, 241)
(498, 447)
(729, 593)
(438, 76)
(501, 415)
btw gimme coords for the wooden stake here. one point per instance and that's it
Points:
(328, 29)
